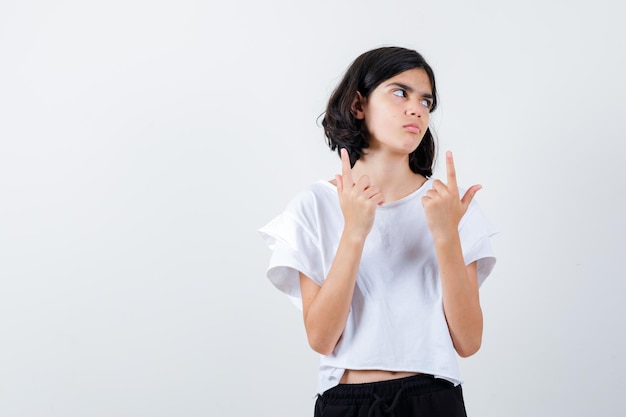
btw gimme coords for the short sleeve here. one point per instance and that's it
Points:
(475, 232)
(295, 248)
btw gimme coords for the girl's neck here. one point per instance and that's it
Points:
(389, 172)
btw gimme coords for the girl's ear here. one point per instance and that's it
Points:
(357, 107)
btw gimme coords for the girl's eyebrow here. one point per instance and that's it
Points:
(409, 89)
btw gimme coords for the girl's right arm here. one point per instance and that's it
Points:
(326, 307)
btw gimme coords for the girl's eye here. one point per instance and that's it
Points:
(426, 103)
(399, 93)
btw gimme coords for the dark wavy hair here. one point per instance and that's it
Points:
(343, 130)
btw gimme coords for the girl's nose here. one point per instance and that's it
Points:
(415, 108)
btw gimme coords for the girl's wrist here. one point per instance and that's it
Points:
(443, 239)
(355, 237)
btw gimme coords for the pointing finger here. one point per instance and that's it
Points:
(346, 170)
(451, 171)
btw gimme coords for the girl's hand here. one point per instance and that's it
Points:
(358, 200)
(442, 205)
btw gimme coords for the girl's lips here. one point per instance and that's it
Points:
(412, 128)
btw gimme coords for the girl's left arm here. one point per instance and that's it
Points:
(444, 210)
(461, 303)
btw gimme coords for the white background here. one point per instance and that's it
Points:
(142, 143)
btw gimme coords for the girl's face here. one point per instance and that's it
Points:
(397, 112)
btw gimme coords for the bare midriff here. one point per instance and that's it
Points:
(351, 376)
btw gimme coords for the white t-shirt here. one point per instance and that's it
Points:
(396, 319)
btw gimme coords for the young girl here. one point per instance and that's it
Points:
(384, 261)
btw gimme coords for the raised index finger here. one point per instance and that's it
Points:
(451, 171)
(346, 170)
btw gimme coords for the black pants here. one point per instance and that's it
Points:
(414, 396)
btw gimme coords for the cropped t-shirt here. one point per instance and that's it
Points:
(396, 320)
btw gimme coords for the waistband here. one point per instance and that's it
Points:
(358, 394)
